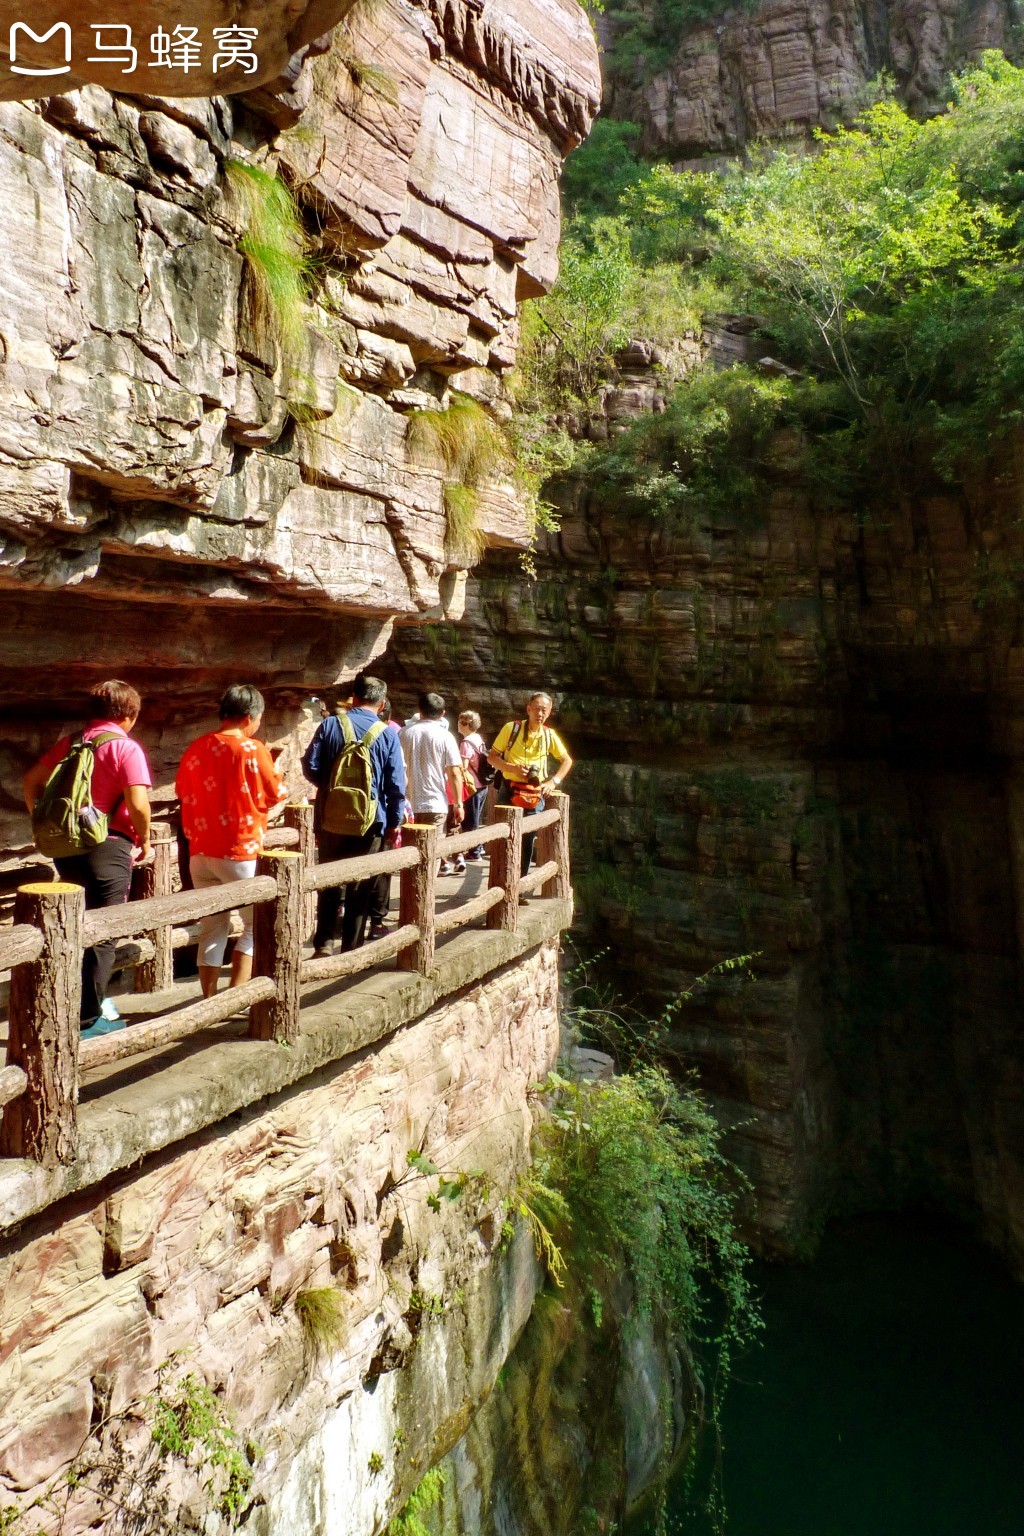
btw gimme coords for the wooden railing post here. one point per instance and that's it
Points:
(553, 843)
(418, 897)
(506, 856)
(46, 996)
(299, 814)
(157, 975)
(277, 947)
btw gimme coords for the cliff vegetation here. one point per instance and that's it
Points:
(881, 278)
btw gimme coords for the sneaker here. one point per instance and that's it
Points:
(379, 931)
(101, 1026)
(322, 951)
(475, 856)
(447, 867)
(108, 1010)
(524, 901)
(460, 865)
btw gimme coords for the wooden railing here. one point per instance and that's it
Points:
(43, 951)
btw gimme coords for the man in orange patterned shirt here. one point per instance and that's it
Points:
(226, 784)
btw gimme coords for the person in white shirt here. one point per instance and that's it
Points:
(432, 766)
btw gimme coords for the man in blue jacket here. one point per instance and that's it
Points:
(388, 790)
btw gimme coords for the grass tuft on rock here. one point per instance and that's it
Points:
(321, 1314)
(472, 447)
(277, 256)
(463, 540)
(468, 441)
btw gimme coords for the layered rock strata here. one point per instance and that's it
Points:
(778, 69)
(801, 739)
(189, 497)
(210, 1248)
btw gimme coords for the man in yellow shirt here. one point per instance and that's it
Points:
(521, 753)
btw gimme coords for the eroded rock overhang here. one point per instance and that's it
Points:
(179, 501)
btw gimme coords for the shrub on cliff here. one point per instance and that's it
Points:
(885, 269)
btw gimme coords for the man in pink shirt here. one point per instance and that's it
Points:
(120, 787)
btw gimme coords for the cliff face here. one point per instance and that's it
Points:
(801, 740)
(185, 499)
(780, 68)
(197, 1263)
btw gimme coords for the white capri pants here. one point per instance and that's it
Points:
(213, 931)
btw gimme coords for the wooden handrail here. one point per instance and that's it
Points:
(504, 873)
(470, 911)
(46, 996)
(137, 953)
(281, 837)
(13, 1082)
(39, 1084)
(174, 1026)
(19, 945)
(537, 877)
(277, 948)
(332, 967)
(459, 842)
(364, 867)
(136, 917)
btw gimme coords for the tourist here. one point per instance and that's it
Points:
(120, 787)
(226, 784)
(380, 904)
(522, 753)
(478, 774)
(356, 764)
(433, 767)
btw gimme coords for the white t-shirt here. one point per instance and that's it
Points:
(429, 748)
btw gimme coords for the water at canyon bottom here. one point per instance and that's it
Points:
(888, 1397)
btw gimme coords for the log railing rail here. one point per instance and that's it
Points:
(43, 950)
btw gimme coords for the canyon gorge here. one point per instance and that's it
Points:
(798, 722)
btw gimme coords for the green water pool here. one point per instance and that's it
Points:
(887, 1398)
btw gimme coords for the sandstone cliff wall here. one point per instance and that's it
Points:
(184, 499)
(779, 68)
(205, 1248)
(801, 739)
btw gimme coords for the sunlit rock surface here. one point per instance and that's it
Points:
(181, 503)
(781, 68)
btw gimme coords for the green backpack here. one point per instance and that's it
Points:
(64, 819)
(350, 807)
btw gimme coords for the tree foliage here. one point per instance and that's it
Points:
(884, 269)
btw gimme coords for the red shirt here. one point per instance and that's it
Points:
(226, 785)
(117, 766)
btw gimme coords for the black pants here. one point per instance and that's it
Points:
(106, 874)
(380, 903)
(358, 895)
(529, 838)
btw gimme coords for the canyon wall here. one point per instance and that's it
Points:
(800, 730)
(192, 494)
(777, 69)
(199, 1264)
(800, 738)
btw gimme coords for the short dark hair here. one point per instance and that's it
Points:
(242, 700)
(369, 690)
(113, 700)
(431, 706)
(386, 711)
